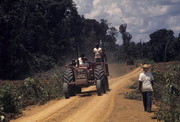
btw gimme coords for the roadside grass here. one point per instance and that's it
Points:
(134, 85)
(15, 96)
(144, 61)
(134, 94)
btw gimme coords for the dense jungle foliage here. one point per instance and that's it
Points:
(36, 35)
(161, 47)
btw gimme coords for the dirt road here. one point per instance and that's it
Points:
(88, 107)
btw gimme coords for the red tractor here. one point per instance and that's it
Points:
(77, 77)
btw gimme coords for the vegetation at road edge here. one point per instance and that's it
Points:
(166, 91)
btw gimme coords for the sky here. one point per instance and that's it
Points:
(142, 17)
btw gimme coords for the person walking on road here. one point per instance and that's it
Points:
(97, 53)
(146, 87)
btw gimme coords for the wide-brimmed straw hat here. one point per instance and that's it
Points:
(146, 66)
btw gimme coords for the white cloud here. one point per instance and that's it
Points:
(96, 2)
(112, 9)
(142, 16)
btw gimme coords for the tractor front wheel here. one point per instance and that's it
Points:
(66, 90)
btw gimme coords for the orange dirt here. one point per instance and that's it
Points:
(88, 107)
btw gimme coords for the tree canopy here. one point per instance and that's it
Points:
(161, 47)
(37, 34)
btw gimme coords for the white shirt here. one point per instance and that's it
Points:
(80, 61)
(97, 52)
(146, 78)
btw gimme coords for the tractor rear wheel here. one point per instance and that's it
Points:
(69, 77)
(99, 72)
(99, 75)
(99, 87)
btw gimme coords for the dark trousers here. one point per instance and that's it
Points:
(147, 101)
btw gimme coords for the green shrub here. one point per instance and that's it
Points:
(8, 100)
(145, 61)
(14, 96)
(135, 95)
(135, 85)
(166, 92)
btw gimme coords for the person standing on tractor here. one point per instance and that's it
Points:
(146, 87)
(97, 51)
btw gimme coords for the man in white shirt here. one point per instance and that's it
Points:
(97, 53)
(145, 87)
(82, 60)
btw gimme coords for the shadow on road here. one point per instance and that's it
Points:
(90, 93)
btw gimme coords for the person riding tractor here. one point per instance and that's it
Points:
(82, 60)
(97, 53)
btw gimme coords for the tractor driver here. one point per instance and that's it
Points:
(82, 60)
(97, 53)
